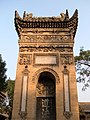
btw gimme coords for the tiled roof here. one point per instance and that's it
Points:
(63, 21)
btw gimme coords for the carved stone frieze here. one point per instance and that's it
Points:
(25, 59)
(45, 49)
(67, 59)
(46, 38)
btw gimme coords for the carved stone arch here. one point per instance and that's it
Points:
(46, 80)
(37, 73)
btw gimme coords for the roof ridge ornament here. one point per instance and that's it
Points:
(24, 14)
(62, 16)
(67, 15)
(75, 15)
(16, 14)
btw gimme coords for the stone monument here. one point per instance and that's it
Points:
(45, 85)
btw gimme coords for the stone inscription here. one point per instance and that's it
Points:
(24, 59)
(46, 109)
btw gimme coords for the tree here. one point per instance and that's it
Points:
(2, 73)
(83, 68)
(10, 92)
(7, 101)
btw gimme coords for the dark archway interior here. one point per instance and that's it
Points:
(46, 76)
(46, 84)
(46, 102)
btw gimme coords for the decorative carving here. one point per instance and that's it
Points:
(67, 59)
(47, 48)
(24, 59)
(46, 38)
(37, 73)
(62, 16)
(26, 71)
(65, 71)
(67, 114)
(46, 88)
(23, 115)
(30, 15)
(27, 16)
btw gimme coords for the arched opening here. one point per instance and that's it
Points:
(46, 97)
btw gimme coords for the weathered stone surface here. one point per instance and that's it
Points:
(45, 58)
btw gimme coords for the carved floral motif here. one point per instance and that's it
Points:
(24, 59)
(67, 114)
(45, 49)
(46, 38)
(67, 59)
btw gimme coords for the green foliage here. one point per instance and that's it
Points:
(2, 74)
(7, 86)
(83, 68)
(10, 90)
(9, 93)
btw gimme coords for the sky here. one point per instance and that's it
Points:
(9, 38)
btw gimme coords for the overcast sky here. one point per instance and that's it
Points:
(9, 38)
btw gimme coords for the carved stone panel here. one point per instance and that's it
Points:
(24, 59)
(67, 59)
(47, 48)
(46, 38)
(45, 90)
